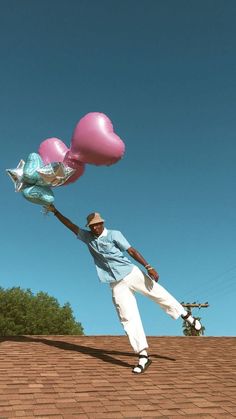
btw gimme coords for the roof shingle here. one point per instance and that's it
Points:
(91, 377)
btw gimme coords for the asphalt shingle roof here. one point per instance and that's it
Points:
(91, 377)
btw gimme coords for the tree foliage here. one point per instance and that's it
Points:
(23, 313)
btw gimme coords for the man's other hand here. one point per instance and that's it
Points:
(153, 274)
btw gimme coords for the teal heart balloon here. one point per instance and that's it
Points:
(41, 195)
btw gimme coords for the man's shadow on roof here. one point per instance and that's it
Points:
(102, 354)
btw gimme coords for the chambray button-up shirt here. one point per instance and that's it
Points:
(107, 252)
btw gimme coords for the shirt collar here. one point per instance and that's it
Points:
(104, 233)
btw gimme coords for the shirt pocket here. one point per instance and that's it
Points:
(107, 247)
(104, 245)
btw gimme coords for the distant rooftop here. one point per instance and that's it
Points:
(80, 377)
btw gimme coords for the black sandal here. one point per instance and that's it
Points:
(142, 369)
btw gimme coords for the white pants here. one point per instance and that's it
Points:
(127, 309)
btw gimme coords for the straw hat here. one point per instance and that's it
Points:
(94, 218)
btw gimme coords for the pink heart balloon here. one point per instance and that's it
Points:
(52, 150)
(94, 141)
(71, 160)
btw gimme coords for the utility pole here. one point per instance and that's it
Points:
(194, 305)
(189, 306)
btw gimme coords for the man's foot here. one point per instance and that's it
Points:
(195, 323)
(143, 364)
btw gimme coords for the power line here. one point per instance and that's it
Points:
(224, 290)
(215, 289)
(212, 283)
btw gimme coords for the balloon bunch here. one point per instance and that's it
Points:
(93, 142)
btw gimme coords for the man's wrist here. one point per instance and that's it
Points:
(148, 267)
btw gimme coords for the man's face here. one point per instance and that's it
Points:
(97, 229)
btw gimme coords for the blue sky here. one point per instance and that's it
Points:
(164, 73)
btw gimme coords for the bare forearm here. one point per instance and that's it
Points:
(66, 221)
(137, 256)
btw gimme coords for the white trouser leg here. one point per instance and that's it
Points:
(140, 282)
(127, 309)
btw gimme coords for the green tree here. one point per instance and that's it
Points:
(23, 313)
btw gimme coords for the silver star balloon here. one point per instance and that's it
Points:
(16, 176)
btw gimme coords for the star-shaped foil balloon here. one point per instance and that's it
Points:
(16, 176)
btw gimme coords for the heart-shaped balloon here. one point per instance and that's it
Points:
(52, 150)
(95, 142)
(41, 195)
(72, 161)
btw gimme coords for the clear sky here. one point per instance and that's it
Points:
(164, 73)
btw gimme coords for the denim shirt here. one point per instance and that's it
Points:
(107, 252)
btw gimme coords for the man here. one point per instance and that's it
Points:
(107, 248)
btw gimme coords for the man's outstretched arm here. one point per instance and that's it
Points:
(73, 227)
(139, 258)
